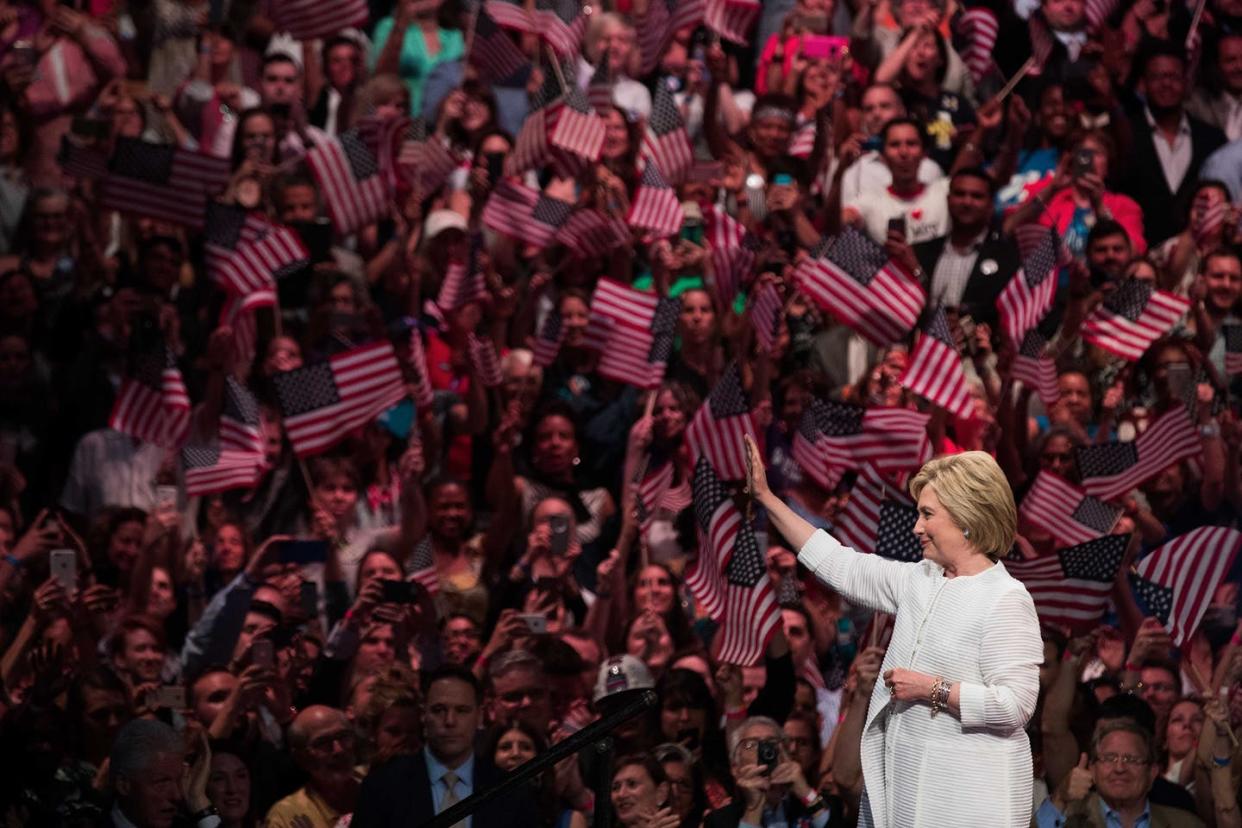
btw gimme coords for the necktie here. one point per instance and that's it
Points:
(450, 796)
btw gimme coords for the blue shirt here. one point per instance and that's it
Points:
(464, 786)
(1226, 165)
(1049, 817)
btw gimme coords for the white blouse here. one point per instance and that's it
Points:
(980, 631)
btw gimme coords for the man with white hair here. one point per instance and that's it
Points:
(773, 789)
(147, 768)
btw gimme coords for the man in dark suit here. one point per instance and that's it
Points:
(1168, 146)
(968, 268)
(410, 790)
(152, 789)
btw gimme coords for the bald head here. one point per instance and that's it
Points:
(322, 741)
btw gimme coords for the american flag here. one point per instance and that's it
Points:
(162, 181)
(560, 24)
(859, 522)
(719, 426)
(590, 234)
(732, 19)
(422, 160)
(386, 138)
(485, 360)
(239, 420)
(656, 28)
(666, 143)
(324, 402)
(247, 252)
(525, 214)
(210, 468)
(1027, 297)
(655, 206)
(802, 143)
(599, 88)
(349, 179)
(835, 436)
(82, 161)
(575, 127)
(729, 580)
(530, 147)
(511, 15)
(656, 491)
(633, 332)
(1035, 369)
(1113, 469)
(310, 19)
(980, 28)
(1066, 511)
(462, 284)
(734, 251)
(238, 313)
(1099, 11)
(152, 404)
(766, 312)
(1207, 219)
(1132, 317)
(895, 538)
(1072, 587)
(422, 566)
(548, 341)
(1182, 575)
(493, 53)
(1233, 349)
(852, 278)
(935, 370)
(421, 390)
(1042, 42)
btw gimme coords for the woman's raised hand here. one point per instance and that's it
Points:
(756, 476)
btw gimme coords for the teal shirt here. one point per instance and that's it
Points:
(414, 63)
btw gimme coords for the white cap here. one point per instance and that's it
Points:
(621, 673)
(440, 220)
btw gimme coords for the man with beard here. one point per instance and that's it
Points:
(1169, 141)
(322, 741)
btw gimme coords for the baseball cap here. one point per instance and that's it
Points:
(622, 673)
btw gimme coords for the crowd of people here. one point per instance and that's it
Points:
(373, 627)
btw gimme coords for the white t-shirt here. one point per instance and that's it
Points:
(926, 214)
(870, 173)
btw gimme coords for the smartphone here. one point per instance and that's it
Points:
(64, 567)
(166, 498)
(401, 592)
(23, 52)
(263, 653)
(1181, 378)
(91, 129)
(495, 167)
(824, 47)
(535, 622)
(309, 595)
(280, 110)
(167, 698)
(304, 551)
(1084, 162)
(559, 544)
(769, 754)
(897, 223)
(755, 198)
(316, 236)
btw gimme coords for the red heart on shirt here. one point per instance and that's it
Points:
(916, 214)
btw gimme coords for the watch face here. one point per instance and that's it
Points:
(754, 181)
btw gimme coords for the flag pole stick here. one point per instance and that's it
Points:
(1194, 28)
(640, 471)
(556, 67)
(1013, 82)
(470, 27)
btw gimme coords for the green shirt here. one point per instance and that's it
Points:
(414, 64)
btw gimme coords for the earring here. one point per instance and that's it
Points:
(577, 460)
(965, 533)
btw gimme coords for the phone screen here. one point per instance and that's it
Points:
(305, 551)
(64, 566)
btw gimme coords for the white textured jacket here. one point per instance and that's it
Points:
(979, 630)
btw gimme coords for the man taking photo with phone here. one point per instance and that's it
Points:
(773, 790)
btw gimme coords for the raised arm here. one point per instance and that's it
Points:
(868, 580)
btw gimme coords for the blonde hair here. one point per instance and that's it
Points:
(974, 491)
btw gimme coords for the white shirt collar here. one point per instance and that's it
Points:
(1183, 126)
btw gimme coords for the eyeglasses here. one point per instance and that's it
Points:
(1123, 759)
(753, 744)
